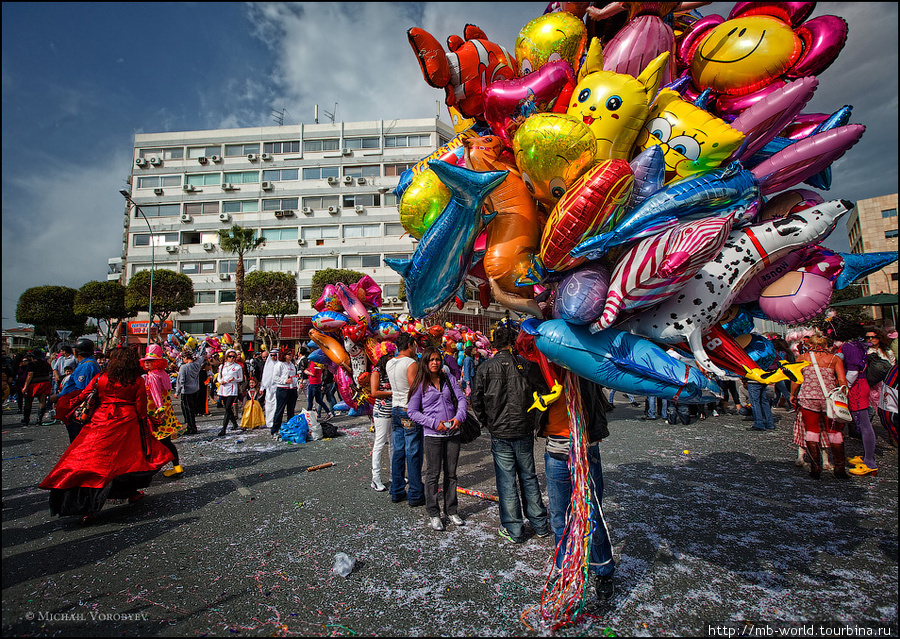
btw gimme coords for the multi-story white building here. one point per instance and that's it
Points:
(321, 195)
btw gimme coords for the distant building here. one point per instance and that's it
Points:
(872, 228)
(19, 338)
(321, 195)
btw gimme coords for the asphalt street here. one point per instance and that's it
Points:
(715, 531)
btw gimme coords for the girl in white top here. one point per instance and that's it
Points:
(231, 374)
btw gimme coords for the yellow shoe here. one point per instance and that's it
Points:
(862, 469)
(855, 460)
(177, 470)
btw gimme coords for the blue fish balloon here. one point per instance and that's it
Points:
(444, 254)
(859, 265)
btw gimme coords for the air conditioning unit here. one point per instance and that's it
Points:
(301, 242)
(266, 156)
(267, 186)
(157, 191)
(208, 246)
(288, 212)
(307, 210)
(333, 209)
(292, 273)
(361, 180)
(224, 277)
(202, 160)
(346, 151)
(141, 162)
(360, 208)
(253, 157)
(155, 161)
(348, 179)
(171, 249)
(228, 186)
(216, 158)
(224, 217)
(395, 300)
(332, 180)
(186, 218)
(190, 188)
(279, 214)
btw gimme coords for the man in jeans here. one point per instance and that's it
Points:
(187, 386)
(407, 436)
(501, 395)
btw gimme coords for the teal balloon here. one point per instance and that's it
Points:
(859, 265)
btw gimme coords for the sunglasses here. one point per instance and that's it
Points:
(227, 356)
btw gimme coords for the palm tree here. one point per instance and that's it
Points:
(238, 240)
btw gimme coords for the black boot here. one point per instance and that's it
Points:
(815, 459)
(222, 433)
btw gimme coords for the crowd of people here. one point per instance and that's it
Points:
(421, 397)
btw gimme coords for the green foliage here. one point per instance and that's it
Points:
(104, 301)
(239, 240)
(172, 293)
(48, 309)
(847, 314)
(270, 293)
(331, 276)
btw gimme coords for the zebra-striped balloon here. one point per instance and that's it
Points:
(658, 266)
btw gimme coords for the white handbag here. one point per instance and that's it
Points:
(836, 405)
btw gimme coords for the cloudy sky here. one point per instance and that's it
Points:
(79, 80)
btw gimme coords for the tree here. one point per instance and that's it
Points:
(331, 276)
(238, 240)
(49, 309)
(104, 301)
(846, 314)
(172, 293)
(270, 294)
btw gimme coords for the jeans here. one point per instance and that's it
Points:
(612, 395)
(284, 398)
(651, 407)
(441, 453)
(559, 493)
(407, 457)
(314, 392)
(782, 390)
(761, 406)
(515, 458)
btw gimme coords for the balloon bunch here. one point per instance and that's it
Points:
(350, 335)
(457, 338)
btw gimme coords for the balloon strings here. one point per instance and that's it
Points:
(564, 593)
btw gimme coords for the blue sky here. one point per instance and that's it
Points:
(79, 80)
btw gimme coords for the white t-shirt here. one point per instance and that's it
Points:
(229, 376)
(396, 371)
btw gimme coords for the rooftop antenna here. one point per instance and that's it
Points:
(332, 114)
(317, 114)
(278, 116)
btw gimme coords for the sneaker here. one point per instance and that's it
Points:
(398, 498)
(543, 533)
(635, 404)
(503, 532)
(436, 523)
(378, 487)
(715, 413)
(604, 587)
(456, 520)
(415, 503)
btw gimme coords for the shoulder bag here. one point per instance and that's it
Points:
(470, 429)
(836, 404)
(85, 410)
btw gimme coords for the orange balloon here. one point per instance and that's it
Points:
(514, 234)
(331, 347)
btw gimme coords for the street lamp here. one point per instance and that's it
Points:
(127, 195)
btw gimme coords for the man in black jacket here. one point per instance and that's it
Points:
(501, 395)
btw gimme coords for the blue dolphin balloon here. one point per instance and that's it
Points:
(718, 193)
(858, 265)
(625, 362)
(444, 254)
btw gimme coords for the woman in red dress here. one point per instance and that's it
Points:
(115, 455)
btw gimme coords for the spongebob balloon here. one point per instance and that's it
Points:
(550, 37)
(692, 139)
(614, 105)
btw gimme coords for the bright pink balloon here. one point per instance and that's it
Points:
(367, 291)
(637, 44)
(796, 298)
(353, 308)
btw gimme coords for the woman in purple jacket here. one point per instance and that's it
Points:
(439, 406)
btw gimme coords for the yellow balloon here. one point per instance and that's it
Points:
(550, 37)
(422, 203)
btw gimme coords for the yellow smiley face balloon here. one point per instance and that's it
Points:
(552, 151)
(614, 105)
(693, 140)
(550, 37)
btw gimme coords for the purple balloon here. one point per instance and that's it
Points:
(763, 121)
(581, 295)
(637, 44)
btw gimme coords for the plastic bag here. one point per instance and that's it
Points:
(315, 428)
(343, 564)
(296, 430)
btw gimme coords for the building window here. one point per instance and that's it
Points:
(201, 208)
(196, 237)
(890, 233)
(282, 147)
(158, 181)
(391, 170)
(310, 233)
(305, 293)
(204, 297)
(362, 143)
(396, 141)
(198, 268)
(278, 265)
(173, 153)
(160, 210)
(242, 177)
(198, 327)
(318, 263)
(227, 296)
(397, 256)
(390, 199)
(284, 233)
(203, 179)
(894, 277)
(159, 239)
(195, 152)
(169, 266)
(362, 199)
(281, 204)
(321, 172)
(240, 206)
(391, 290)
(364, 170)
(394, 228)
(280, 175)
(889, 213)
(230, 266)
(361, 230)
(235, 150)
(314, 146)
(321, 202)
(362, 261)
